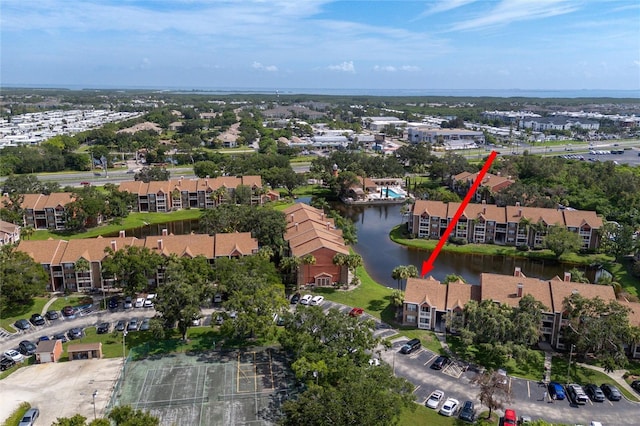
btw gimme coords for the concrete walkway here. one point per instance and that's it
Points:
(45, 308)
(617, 375)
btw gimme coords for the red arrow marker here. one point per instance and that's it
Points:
(427, 265)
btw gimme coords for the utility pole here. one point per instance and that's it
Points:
(569, 367)
(95, 393)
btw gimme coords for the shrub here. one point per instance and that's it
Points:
(523, 247)
(458, 241)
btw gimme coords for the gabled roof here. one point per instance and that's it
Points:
(458, 294)
(504, 288)
(562, 289)
(309, 230)
(190, 185)
(235, 244)
(41, 201)
(426, 291)
(92, 249)
(493, 182)
(431, 208)
(579, 218)
(535, 215)
(192, 245)
(45, 252)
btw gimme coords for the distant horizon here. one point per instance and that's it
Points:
(468, 92)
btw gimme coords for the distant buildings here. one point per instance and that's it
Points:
(450, 138)
(44, 211)
(60, 257)
(490, 185)
(510, 225)
(540, 124)
(9, 233)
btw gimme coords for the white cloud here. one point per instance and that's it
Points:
(345, 67)
(391, 68)
(636, 63)
(259, 66)
(509, 12)
(444, 6)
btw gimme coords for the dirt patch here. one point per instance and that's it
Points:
(61, 389)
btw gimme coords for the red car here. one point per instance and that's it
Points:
(356, 312)
(510, 417)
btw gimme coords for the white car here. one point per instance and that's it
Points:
(434, 399)
(449, 407)
(14, 355)
(317, 301)
(375, 362)
(306, 299)
(148, 302)
(139, 302)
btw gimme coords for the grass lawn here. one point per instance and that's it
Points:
(423, 416)
(16, 416)
(583, 376)
(134, 220)
(8, 318)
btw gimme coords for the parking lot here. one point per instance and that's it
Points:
(527, 394)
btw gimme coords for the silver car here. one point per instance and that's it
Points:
(29, 417)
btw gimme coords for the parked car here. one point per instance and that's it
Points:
(103, 328)
(219, 320)
(356, 312)
(69, 312)
(196, 321)
(594, 392)
(52, 315)
(525, 420)
(113, 303)
(217, 298)
(6, 363)
(27, 348)
(29, 417)
(410, 346)
(509, 417)
(306, 299)
(556, 391)
(128, 304)
(434, 399)
(233, 315)
(60, 336)
(37, 319)
(144, 325)
(148, 302)
(295, 298)
(133, 325)
(450, 407)
(636, 385)
(468, 412)
(22, 324)
(440, 363)
(317, 301)
(74, 333)
(120, 325)
(14, 355)
(611, 392)
(139, 302)
(43, 338)
(576, 394)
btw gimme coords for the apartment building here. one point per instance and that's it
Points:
(44, 211)
(202, 193)
(9, 233)
(490, 185)
(452, 137)
(430, 305)
(60, 258)
(310, 233)
(511, 225)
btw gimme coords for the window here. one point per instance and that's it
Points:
(411, 318)
(411, 307)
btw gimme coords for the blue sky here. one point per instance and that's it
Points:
(454, 44)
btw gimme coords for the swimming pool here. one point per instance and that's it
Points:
(391, 193)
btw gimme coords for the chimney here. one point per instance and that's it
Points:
(114, 245)
(567, 277)
(122, 233)
(484, 202)
(519, 288)
(519, 212)
(517, 272)
(160, 245)
(291, 217)
(517, 203)
(165, 232)
(484, 209)
(328, 226)
(296, 226)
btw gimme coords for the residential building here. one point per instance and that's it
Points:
(9, 233)
(43, 211)
(60, 257)
(490, 185)
(202, 193)
(510, 225)
(312, 235)
(452, 138)
(430, 305)
(48, 351)
(558, 123)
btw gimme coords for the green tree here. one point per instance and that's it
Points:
(494, 391)
(617, 240)
(21, 279)
(148, 174)
(124, 415)
(131, 267)
(560, 240)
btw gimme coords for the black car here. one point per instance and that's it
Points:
(22, 324)
(636, 385)
(103, 327)
(295, 298)
(411, 346)
(37, 319)
(440, 363)
(27, 348)
(74, 333)
(6, 363)
(594, 392)
(60, 336)
(113, 303)
(52, 315)
(120, 325)
(611, 392)
(468, 412)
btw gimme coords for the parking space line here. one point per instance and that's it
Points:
(528, 389)
(417, 387)
(431, 359)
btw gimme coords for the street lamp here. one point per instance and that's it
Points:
(124, 358)
(95, 393)
(569, 367)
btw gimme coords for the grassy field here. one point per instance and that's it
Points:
(7, 318)
(423, 416)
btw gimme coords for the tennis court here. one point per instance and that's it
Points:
(212, 388)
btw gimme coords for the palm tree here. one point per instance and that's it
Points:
(397, 300)
(308, 259)
(578, 276)
(290, 265)
(265, 252)
(82, 266)
(396, 274)
(27, 231)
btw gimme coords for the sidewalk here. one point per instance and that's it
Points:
(45, 308)
(617, 375)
